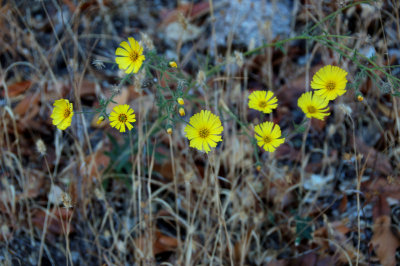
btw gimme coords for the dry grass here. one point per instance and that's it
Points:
(98, 197)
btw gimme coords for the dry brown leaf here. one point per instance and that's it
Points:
(29, 103)
(18, 88)
(384, 241)
(382, 187)
(58, 220)
(375, 160)
(161, 243)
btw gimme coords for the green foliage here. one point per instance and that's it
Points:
(303, 229)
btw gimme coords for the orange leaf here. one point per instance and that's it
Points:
(17, 88)
(164, 243)
(384, 241)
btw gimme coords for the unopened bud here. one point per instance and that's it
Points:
(180, 101)
(360, 98)
(101, 119)
(173, 64)
(169, 131)
(181, 111)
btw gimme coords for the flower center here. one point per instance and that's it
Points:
(122, 118)
(133, 56)
(330, 85)
(311, 109)
(262, 104)
(204, 133)
(67, 112)
(267, 139)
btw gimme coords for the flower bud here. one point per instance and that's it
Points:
(173, 64)
(180, 101)
(101, 119)
(181, 111)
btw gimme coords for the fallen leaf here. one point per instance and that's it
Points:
(375, 160)
(382, 187)
(58, 220)
(26, 104)
(384, 241)
(17, 88)
(161, 243)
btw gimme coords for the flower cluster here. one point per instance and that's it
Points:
(267, 134)
(130, 58)
(205, 128)
(329, 82)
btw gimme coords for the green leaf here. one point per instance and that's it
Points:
(303, 229)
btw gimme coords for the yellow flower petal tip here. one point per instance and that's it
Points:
(101, 119)
(313, 105)
(169, 131)
(181, 111)
(129, 56)
(180, 101)
(204, 131)
(329, 82)
(268, 136)
(121, 116)
(360, 98)
(263, 101)
(62, 114)
(258, 168)
(173, 64)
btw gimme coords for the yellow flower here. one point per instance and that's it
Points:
(180, 101)
(360, 98)
(203, 131)
(173, 64)
(169, 131)
(181, 111)
(122, 115)
(268, 136)
(329, 82)
(130, 56)
(62, 114)
(263, 101)
(313, 105)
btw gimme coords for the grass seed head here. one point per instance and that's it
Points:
(41, 147)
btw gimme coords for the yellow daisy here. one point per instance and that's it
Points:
(130, 56)
(329, 82)
(122, 115)
(203, 130)
(313, 105)
(62, 114)
(263, 101)
(268, 136)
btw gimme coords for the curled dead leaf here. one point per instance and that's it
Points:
(384, 241)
